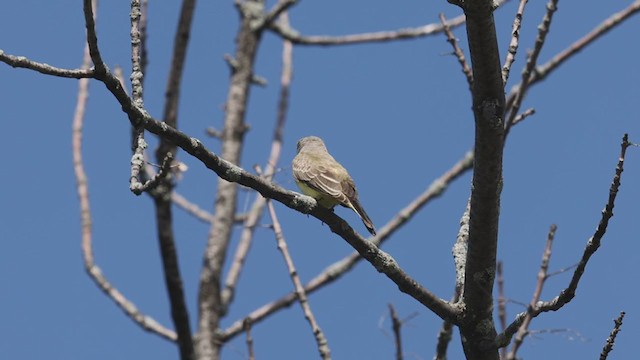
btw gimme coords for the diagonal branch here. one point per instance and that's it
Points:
(321, 340)
(339, 268)
(466, 70)
(608, 347)
(532, 60)
(513, 45)
(544, 70)
(593, 244)
(542, 277)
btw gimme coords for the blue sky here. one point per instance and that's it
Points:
(397, 115)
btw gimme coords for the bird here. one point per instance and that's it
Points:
(320, 176)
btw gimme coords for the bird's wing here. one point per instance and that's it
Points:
(320, 178)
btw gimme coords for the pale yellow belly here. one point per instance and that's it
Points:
(323, 199)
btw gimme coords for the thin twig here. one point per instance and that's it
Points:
(612, 337)
(457, 51)
(191, 208)
(321, 340)
(544, 70)
(610, 23)
(137, 165)
(524, 115)
(593, 244)
(247, 332)
(409, 33)
(43, 68)
(257, 208)
(542, 277)
(396, 325)
(532, 60)
(561, 271)
(513, 45)
(502, 308)
(145, 322)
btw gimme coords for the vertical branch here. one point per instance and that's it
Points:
(210, 305)
(146, 322)
(532, 60)
(513, 45)
(162, 193)
(258, 206)
(477, 327)
(502, 308)
(396, 325)
(247, 331)
(321, 341)
(446, 331)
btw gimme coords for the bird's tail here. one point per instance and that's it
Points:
(357, 207)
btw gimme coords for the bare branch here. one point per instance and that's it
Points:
(210, 304)
(457, 51)
(23, 62)
(191, 208)
(145, 322)
(279, 8)
(542, 277)
(614, 20)
(513, 45)
(444, 335)
(532, 60)
(478, 330)
(258, 206)
(137, 166)
(593, 244)
(502, 306)
(247, 331)
(396, 325)
(321, 340)
(295, 37)
(544, 70)
(524, 115)
(612, 337)
(166, 152)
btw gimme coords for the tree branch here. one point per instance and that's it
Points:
(258, 206)
(593, 244)
(477, 327)
(336, 270)
(95, 273)
(466, 70)
(23, 62)
(210, 304)
(608, 347)
(542, 277)
(321, 340)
